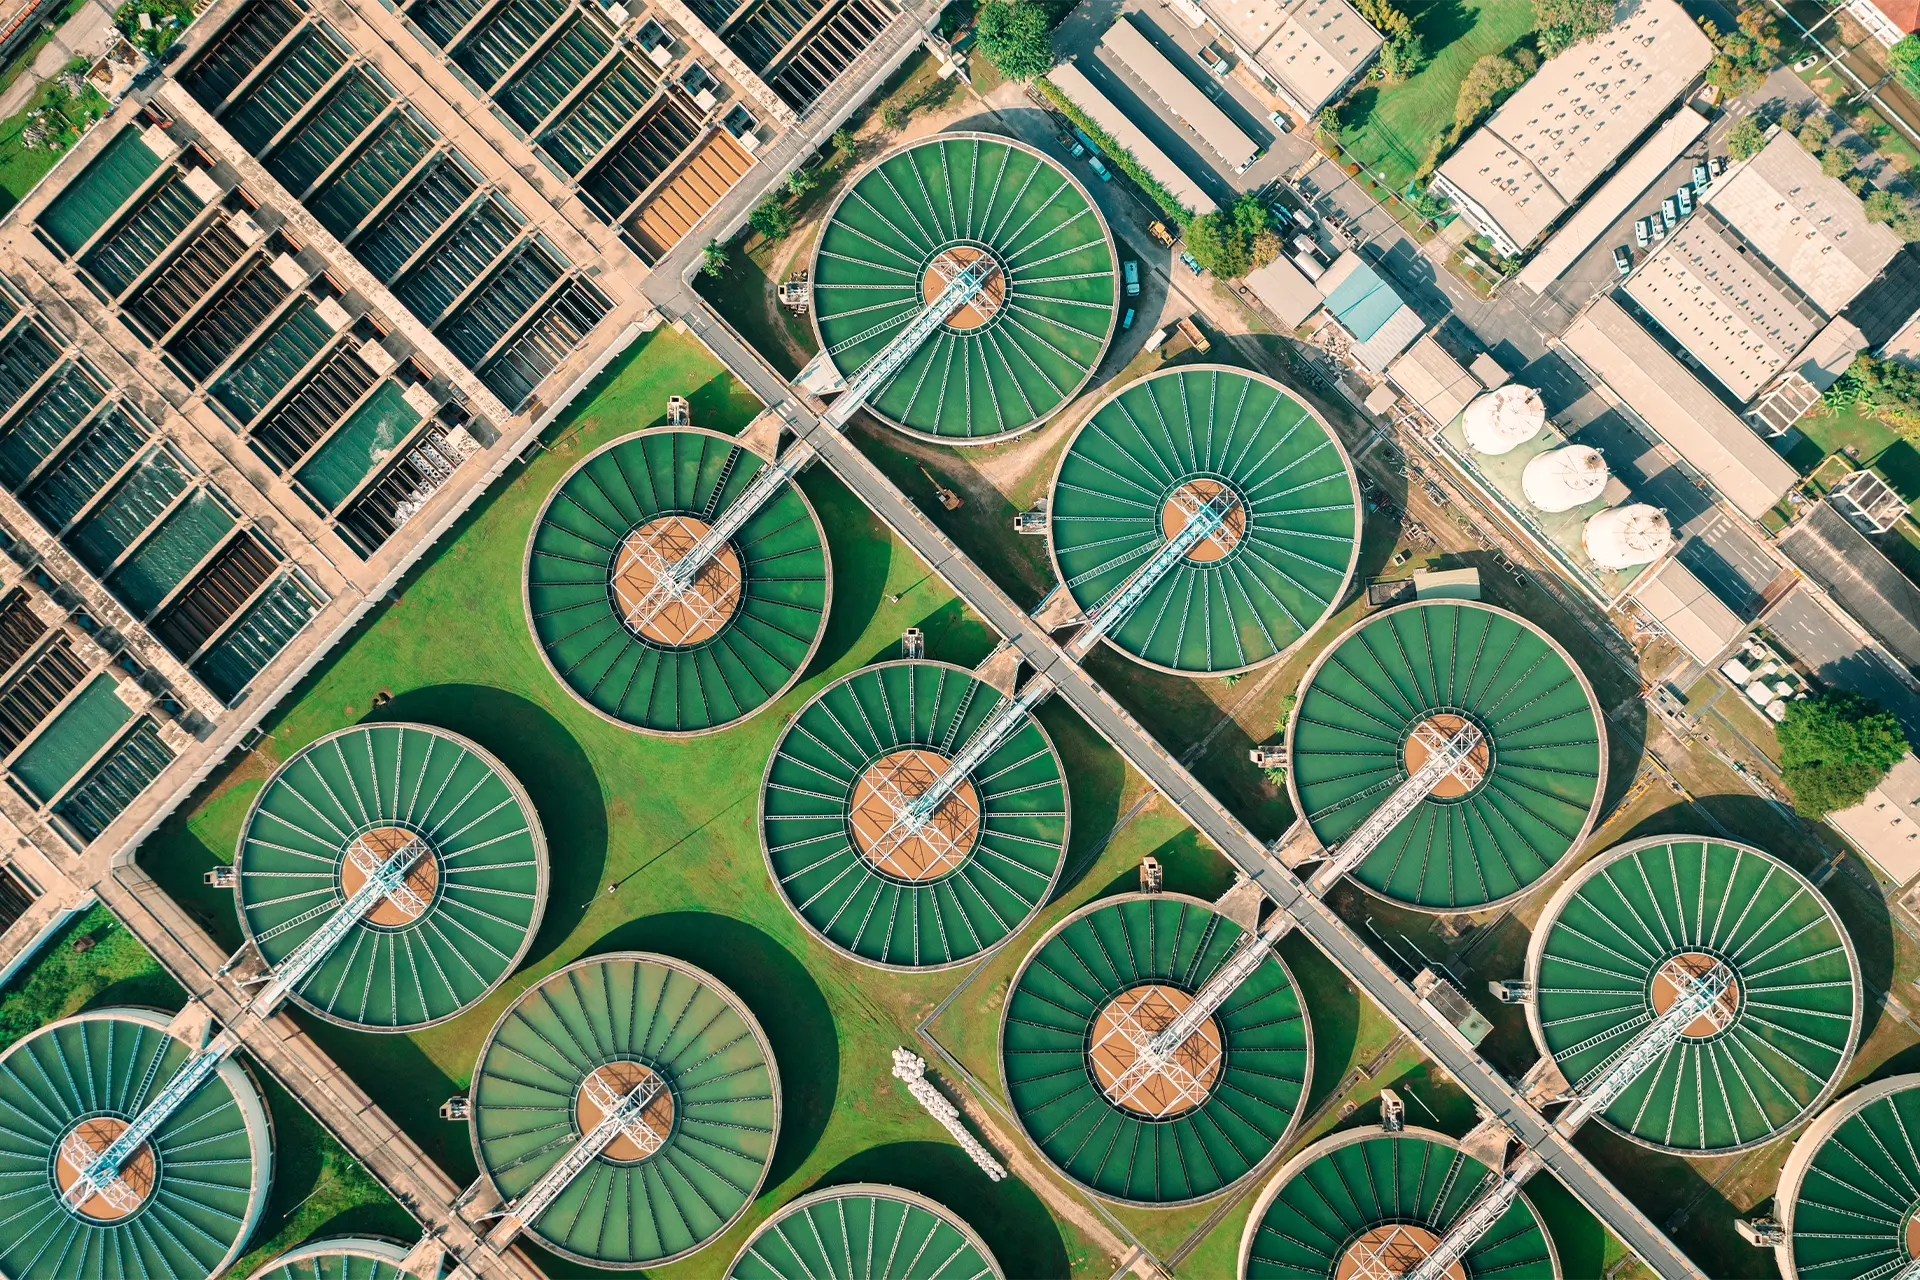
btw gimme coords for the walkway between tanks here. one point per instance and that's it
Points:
(1495, 1095)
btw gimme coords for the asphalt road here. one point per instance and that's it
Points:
(1806, 628)
(1495, 1095)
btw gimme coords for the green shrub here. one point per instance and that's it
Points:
(1122, 158)
(1904, 59)
(1016, 38)
(1746, 139)
(771, 219)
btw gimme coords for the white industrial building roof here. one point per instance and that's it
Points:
(1284, 289)
(1690, 418)
(1578, 115)
(1310, 47)
(1434, 380)
(1691, 614)
(1809, 227)
(1080, 91)
(1616, 195)
(1739, 319)
(1886, 825)
(1182, 97)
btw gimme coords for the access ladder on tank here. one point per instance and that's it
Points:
(98, 1172)
(912, 815)
(1448, 758)
(621, 1115)
(1158, 1053)
(386, 879)
(675, 578)
(1696, 997)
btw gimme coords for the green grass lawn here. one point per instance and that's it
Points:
(1387, 129)
(673, 822)
(1826, 432)
(317, 1187)
(22, 166)
(60, 981)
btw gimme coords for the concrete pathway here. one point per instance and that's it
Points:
(87, 33)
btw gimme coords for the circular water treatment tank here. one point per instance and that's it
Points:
(1372, 703)
(1182, 444)
(621, 1020)
(1092, 993)
(194, 1191)
(1367, 1203)
(1503, 419)
(734, 641)
(464, 916)
(1611, 951)
(961, 884)
(864, 1232)
(1849, 1196)
(1624, 536)
(924, 216)
(1562, 479)
(339, 1258)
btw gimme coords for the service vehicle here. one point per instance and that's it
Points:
(1132, 270)
(1622, 259)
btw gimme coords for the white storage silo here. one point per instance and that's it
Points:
(1562, 479)
(1625, 536)
(1504, 419)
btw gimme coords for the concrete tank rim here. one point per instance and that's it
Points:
(534, 828)
(546, 659)
(1353, 484)
(1113, 313)
(1587, 828)
(1577, 879)
(1000, 1050)
(766, 854)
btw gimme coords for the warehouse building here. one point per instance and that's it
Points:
(1579, 115)
(1751, 284)
(1313, 49)
(1185, 100)
(1080, 91)
(1885, 825)
(1660, 390)
(1373, 314)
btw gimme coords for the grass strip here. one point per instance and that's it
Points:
(1117, 153)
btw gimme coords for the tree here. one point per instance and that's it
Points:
(1746, 139)
(1400, 57)
(1561, 24)
(1487, 82)
(1904, 59)
(1386, 19)
(1885, 386)
(1835, 162)
(1234, 240)
(1898, 213)
(1834, 748)
(1326, 132)
(1744, 55)
(843, 141)
(801, 181)
(714, 259)
(771, 219)
(1015, 39)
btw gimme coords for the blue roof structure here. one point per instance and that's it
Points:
(1363, 302)
(1366, 306)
